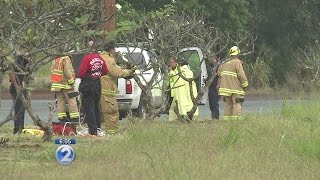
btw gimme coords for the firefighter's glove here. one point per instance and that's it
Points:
(245, 89)
(132, 70)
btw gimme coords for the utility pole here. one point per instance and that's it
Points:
(109, 14)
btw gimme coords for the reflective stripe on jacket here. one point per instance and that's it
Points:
(232, 78)
(62, 76)
(181, 90)
(109, 81)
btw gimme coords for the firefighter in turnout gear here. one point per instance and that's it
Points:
(63, 79)
(232, 84)
(108, 102)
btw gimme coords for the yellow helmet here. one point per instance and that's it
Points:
(234, 51)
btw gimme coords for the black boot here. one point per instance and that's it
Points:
(214, 117)
(17, 130)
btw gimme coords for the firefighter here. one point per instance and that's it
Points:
(232, 84)
(63, 79)
(108, 102)
(180, 89)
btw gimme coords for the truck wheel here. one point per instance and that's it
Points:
(122, 114)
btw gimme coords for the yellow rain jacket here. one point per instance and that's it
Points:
(181, 90)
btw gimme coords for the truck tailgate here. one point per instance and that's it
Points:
(121, 88)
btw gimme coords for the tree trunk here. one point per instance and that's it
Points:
(108, 12)
(150, 106)
(26, 101)
(201, 93)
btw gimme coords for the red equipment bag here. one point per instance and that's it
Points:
(64, 128)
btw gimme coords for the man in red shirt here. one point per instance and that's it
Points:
(91, 69)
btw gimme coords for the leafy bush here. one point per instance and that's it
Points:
(306, 73)
(259, 73)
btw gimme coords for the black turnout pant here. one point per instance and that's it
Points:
(91, 93)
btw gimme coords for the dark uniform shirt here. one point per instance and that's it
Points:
(21, 63)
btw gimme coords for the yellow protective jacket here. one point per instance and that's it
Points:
(109, 81)
(173, 74)
(181, 89)
(232, 78)
(62, 76)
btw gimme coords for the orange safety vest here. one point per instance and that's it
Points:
(57, 71)
(57, 77)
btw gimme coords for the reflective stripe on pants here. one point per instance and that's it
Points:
(62, 100)
(232, 109)
(109, 112)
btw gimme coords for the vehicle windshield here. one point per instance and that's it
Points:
(193, 59)
(136, 58)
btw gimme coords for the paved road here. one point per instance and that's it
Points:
(41, 108)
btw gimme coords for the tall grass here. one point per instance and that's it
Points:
(42, 77)
(267, 146)
(305, 116)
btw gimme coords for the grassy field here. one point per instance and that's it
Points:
(274, 146)
(41, 79)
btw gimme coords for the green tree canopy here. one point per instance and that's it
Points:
(225, 14)
(146, 5)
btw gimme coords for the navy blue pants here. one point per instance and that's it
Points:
(19, 111)
(214, 99)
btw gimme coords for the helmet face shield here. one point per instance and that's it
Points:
(234, 51)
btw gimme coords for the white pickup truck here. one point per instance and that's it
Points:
(129, 93)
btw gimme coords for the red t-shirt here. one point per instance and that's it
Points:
(93, 66)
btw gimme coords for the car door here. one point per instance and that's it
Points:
(197, 64)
